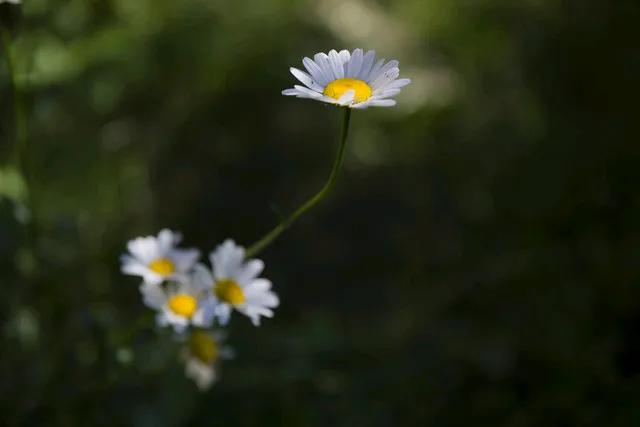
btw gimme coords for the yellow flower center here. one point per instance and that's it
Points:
(229, 291)
(203, 347)
(162, 266)
(339, 87)
(183, 305)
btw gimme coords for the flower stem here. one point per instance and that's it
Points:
(328, 186)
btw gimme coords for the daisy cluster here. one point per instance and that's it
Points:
(191, 297)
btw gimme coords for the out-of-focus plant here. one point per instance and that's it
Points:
(14, 177)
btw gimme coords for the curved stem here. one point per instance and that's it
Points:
(328, 186)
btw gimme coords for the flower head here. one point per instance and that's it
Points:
(179, 304)
(201, 355)
(11, 1)
(235, 284)
(156, 259)
(348, 79)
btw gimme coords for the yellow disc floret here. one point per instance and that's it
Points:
(183, 305)
(203, 347)
(337, 88)
(162, 266)
(229, 291)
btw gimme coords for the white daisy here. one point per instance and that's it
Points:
(156, 259)
(11, 1)
(235, 284)
(180, 304)
(201, 356)
(348, 79)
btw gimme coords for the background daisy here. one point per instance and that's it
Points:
(179, 304)
(202, 353)
(235, 284)
(156, 259)
(348, 79)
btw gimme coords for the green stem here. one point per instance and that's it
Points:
(328, 186)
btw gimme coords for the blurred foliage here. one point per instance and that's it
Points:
(478, 263)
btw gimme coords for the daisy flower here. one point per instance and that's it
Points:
(179, 304)
(348, 79)
(156, 259)
(11, 1)
(201, 357)
(235, 284)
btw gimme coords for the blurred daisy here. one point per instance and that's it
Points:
(11, 1)
(348, 79)
(156, 259)
(235, 284)
(201, 355)
(180, 304)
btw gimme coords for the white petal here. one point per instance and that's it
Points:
(153, 296)
(223, 312)
(202, 374)
(355, 64)
(227, 259)
(345, 56)
(328, 100)
(386, 93)
(336, 65)
(397, 84)
(382, 102)
(262, 311)
(291, 92)
(250, 271)
(179, 323)
(323, 62)
(185, 259)
(204, 316)
(367, 62)
(385, 78)
(202, 278)
(257, 286)
(162, 320)
(180, 327)
(306, 79)
(167, 239)
(361, 106)
(153, 278)
(265, 299)
(316, 71)
(347, 97)
(386, 67)
(144, 248)
(132, 266)
(252, 314)
(308, 92)
(184, 285)
(375, 70)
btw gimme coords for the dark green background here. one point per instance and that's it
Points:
(478, 264)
